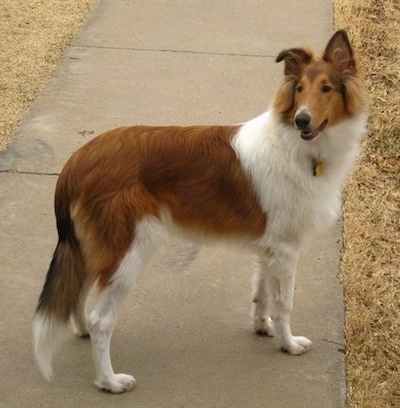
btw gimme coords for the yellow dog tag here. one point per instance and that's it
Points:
(318, 169)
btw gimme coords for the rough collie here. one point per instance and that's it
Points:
(266, 183)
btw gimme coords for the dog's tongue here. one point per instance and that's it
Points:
(309, 134)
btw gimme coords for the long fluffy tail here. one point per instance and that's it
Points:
(60, 294)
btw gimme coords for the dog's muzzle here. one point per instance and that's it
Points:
(302, 122)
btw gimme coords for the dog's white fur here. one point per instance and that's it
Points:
(280, 164)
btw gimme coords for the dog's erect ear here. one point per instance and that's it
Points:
(339, 53)
(295, 60)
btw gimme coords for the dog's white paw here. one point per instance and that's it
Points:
(263, 326)
(117, 384)
(297, 345)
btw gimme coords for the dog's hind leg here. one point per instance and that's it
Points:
(101, 320)
(78, 316)
(280, 265)
(101, 325)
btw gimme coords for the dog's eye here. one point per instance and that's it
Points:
(299, 89)
(326, 89)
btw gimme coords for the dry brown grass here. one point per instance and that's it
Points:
(33, 35)
(371, 256)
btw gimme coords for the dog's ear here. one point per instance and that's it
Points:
(295, 60)
(340, 53)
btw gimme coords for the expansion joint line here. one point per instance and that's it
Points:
(174, 51)
(31, 173)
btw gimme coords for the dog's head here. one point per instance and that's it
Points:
(317, 93)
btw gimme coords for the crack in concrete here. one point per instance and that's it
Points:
(174, 51)
(32, 173)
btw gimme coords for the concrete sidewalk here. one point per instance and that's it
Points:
(185, 333)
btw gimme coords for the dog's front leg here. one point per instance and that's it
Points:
(279, 268)
(262, 322)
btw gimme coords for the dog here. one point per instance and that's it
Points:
(267, 184)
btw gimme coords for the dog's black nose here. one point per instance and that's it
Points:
(302, 120)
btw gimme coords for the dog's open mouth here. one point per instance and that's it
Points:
(309, 134)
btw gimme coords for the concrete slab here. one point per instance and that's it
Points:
(228, 27)
(185, 332)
